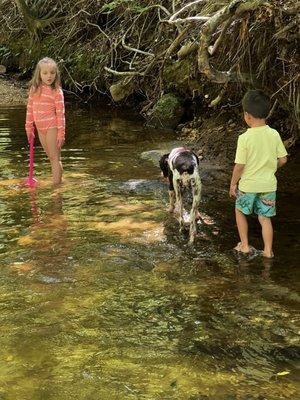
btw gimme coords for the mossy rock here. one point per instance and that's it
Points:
(167, 112)
(120, 90)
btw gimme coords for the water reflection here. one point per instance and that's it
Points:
(102, 298)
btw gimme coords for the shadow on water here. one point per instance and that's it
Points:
(102, 298)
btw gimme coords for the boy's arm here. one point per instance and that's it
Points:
(236, 175)
(281, 161)
(281, 152)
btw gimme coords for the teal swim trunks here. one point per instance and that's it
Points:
(260, 203)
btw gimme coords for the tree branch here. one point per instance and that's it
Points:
(145, 53)
(231, 11)
(123, 73)
(172, 18)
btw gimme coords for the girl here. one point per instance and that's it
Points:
(46, 110)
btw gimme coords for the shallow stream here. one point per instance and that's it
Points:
(102, 298)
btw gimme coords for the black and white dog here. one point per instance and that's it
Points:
(181, 167)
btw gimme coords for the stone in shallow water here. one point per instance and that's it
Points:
(49, 279)
(142, 185)
(153, 155)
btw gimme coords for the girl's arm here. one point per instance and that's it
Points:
(60, 115)
(29, 117)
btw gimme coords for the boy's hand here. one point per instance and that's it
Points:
(236, 175)
(232, 190)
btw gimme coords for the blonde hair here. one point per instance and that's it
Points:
(36, 81)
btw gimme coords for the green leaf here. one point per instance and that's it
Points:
(283, 373)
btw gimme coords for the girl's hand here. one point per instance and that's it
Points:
(29, 135)
(60, 142)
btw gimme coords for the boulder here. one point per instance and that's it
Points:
(120, 90)
(166, 113)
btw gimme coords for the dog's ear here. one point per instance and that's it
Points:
(197, 158)
(163, 164)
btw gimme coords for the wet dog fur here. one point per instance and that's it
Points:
(182, 172)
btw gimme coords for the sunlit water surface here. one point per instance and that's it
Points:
(101, 297)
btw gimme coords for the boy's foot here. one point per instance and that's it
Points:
(267, 255)
(242, 249)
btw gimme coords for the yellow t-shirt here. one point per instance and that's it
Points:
(259, 148)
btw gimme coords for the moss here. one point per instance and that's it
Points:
(182, 75)
(17, 54)
(166, 105)
(167, 112)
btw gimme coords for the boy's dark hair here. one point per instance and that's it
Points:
(257, 103)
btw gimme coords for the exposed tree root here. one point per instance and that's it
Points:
(189, 47)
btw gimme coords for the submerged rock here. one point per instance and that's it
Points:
(153, 155)
(143, 185)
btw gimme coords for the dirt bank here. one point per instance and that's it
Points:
(214, 135)
(12, 93)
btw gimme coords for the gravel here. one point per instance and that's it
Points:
(12, 93)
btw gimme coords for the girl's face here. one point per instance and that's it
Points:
(48, 74)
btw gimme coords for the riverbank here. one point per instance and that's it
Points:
(213, 135)
(12, 92)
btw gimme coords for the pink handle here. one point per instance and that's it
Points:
(31, 157)
(31, 181)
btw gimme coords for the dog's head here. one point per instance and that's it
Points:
(163, 164)
(186, 162)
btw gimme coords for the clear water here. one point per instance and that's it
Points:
(101, 297)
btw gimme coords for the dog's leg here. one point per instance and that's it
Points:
(171, 201)
(196, 190)
(171, 191)
(178, 204)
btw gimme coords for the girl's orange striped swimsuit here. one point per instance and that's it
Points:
(46, 109)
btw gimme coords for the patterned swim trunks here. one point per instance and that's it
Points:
(260, 203)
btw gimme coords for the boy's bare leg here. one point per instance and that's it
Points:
(242, 225)
(267, 235)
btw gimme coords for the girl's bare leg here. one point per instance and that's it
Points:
(42, 138)
(49, 144)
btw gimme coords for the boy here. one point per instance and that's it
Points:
(260, 152)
